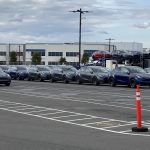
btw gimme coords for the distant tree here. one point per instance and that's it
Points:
(36, 58)
(13, 57)
(62, 60)
(85, 58)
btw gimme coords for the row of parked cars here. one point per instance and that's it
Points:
(124, 75)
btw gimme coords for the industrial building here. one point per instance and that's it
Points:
(51, 52)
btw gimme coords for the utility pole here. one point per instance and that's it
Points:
(80, 11)
(110, 42)
(19, 54)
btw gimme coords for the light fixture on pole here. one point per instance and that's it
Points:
(110, 42)
(81, 12)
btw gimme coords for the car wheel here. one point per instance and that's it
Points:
(41, 80)
(65, 79)
(112, 82)
(52, 80)
(79, 80)
(132, 83)
(7, 84)
(95, 81)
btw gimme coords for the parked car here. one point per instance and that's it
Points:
(22, 72)
(12, 71)
(129, 75)
(93, 74)
(44, 72)
(33, 74)
(65, 73)
(4, 78)
(147, 70)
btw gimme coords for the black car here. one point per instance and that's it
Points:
(93, 74)
(22, 72)
(65, 73)
(44, 72)
(33, 74)
(4, 78)
(12, 71)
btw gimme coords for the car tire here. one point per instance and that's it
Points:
(65, 80)
(95, 81)
(52, 80)
(133, 83)
(79, 80)
(112, 82)
(7, 84)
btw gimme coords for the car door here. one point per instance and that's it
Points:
(122, 75)
(88, 74)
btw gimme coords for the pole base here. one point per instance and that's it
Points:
(142, 129)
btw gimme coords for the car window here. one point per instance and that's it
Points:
(135, 69)
(124, 70)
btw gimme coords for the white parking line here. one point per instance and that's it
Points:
(118, 126)
(82, 125)
(65, 116)
(79, 119)
(26, 108)
(36, 111)
(51, 113)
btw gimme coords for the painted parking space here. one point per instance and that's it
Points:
(79, 119)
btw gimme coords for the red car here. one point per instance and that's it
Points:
(101, 54)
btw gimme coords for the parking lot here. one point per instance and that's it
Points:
(45, 116)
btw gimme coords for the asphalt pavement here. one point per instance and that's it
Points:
(58, 116)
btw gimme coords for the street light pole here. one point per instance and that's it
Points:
(110, 42)
(80, 23)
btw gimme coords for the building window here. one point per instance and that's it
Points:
(2, 53)
(55, 53)
(72, 54)
(40, 51)
(19, 53)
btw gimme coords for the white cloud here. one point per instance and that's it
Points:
(144, 25)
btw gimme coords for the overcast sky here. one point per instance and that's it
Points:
(24, 21)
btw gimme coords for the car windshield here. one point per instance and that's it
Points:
(99, 69)
(69, 69)
(1, 71)
(4, 67)
(21, 68)
(136, 70)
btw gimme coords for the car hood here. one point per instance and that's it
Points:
(3, 74)
(143, 75)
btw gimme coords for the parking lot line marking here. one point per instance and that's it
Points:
(78, 119)
(50, 113)
(84, 101)
(65, 116)
(97, 122)
(36, 111)
(26, 108)
(6, 105)
(125, 131)
(17, 107)
(118, 126)
(102, 129)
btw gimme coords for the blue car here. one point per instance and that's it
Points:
(9, 70)
(129, 75)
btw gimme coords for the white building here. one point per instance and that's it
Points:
(51, 52)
